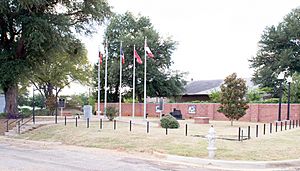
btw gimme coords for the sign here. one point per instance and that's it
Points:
(61, 103)
(157, 109)
(192, 109)
(87, 111)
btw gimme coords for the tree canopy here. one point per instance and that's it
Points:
(132, 30)
(232, 98)
(31, 29)
(279, 50)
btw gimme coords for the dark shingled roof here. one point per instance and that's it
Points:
(196, 87)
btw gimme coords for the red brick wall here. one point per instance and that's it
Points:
(255, 113)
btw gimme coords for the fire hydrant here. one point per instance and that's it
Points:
(211, 137)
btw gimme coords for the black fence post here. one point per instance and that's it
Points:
(264, 129)
(147, 126)
(280, 125)
(115, 124)
(65, 120)
(296, 123)
(290, 124)
(76, 121)
(239, 134)
(270, 128)
(55, 119)
(101, 124)
(19, 131)
(256, 130)
(7, 126)
(248, 132)
(166, 130)
(293, 123)
(130, 125)
(186, 129)
(87, 122)
(285, 123)
(276, 126)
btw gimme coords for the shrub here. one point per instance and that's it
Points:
(111, 112)
(3, 115)
(169, 121)
(26, 112)
(42, 112)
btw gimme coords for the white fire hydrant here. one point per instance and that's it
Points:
(211, 137)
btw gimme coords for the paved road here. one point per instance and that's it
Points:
(49, 156)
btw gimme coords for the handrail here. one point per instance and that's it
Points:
(26, 121)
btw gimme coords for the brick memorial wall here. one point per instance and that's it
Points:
(255, 113)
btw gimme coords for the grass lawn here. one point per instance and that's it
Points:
(277, 146)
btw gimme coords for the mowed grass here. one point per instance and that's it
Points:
(276, 146)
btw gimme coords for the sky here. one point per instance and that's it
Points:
(215, 37)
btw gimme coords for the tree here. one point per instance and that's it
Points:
(279, 51)
(131, 30)
(233, 102)
(29, 30)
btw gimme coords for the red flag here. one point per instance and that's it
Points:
(148, 51)
(138, 58)
(122, 56)
(100, 57)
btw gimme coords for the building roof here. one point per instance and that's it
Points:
(205, 87)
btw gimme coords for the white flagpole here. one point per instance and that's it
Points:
(105, 86)
(120, 87)
(145, 84)
(99, 85)
(133, 83)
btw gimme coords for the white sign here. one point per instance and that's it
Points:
(87, 111)
(192, 109)
(157, 109)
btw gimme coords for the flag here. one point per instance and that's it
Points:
(148, 51)
(122, 56)
(100, 57)
(138, 58)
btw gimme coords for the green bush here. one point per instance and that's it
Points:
(3, 115)
(25, 112)
(271, 100)
(111, 112)
(42, 112)
(169, 121)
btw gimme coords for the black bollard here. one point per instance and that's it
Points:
(290, 124)
(264, 129)
(101, 124)
(239, 134)
(115, 124)
(130, 125)
(270, 128)
(276, 126)
(248, 132)
(76, 121)
(65, 120)
(55, 119)
(281, 126)
(242, 136)
(166, 130)
(147, 126)
(256, 130)
(7, 126)
(87, 122)
(285, 123)
(186, 129)
(294, 123)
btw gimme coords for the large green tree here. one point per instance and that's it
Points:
(233, 98)
(279, 50)
(132, 30)
(29, 29)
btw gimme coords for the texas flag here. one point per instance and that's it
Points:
(122, 56)
(148, 51)
(138, 58)
(100, 57)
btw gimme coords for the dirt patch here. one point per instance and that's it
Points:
(3, 126)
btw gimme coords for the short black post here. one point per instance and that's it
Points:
(101, 124)
(239, 134)
(87, 122)
(76, 121)
(276, 126)
(65, 120)
(248, 132)
(115, 124)
(130, 125)
(264, 129)
(186, 129)
(55, 119)
(294, 123)
(256, 130)
(7, 126)
(166, 130)
(280, 125)
(285, 123)
(270, 128)
(290, 124)
(19, 127)
(147, 126)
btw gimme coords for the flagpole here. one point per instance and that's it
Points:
(145, 84)
(99, 85)
(105, 86)
(133, 83)
(120, 86)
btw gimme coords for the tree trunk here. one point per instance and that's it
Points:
(140, 98)
(11, 105)
(231, 122)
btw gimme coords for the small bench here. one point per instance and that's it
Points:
(201, 120)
